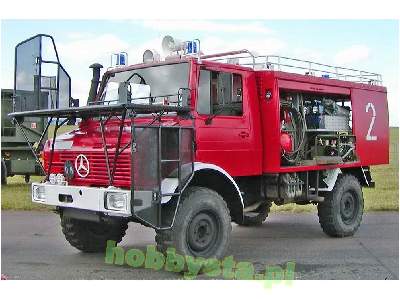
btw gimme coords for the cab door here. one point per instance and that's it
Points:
(224, 134)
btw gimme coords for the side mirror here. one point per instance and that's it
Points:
(74, 102)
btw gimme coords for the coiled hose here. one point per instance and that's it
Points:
(300, 132)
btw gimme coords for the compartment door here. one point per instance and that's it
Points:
(371, 126)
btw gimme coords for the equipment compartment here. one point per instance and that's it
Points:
(315, 128)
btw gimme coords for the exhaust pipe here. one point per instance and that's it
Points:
(95, 81)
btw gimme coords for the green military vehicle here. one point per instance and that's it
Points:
(16, 155)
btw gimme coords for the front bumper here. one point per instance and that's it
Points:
(81, 197)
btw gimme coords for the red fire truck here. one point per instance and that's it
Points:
(188, 144)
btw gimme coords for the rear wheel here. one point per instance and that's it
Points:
(202, 225)
(341, 212)
(92, 236)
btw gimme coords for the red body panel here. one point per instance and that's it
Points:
(270, 125)
(246, 145)
(371, 126)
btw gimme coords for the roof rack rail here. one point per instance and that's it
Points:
(293, 65)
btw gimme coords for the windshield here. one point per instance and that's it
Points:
(151, 85)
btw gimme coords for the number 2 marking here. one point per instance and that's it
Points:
(370, 137)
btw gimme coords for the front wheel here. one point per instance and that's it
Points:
(92, 236)
(341, 212)
(202, 225)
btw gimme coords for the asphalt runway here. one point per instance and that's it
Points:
(33, 247)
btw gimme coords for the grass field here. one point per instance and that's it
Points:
(16, 194)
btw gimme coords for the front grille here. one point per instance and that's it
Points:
(98, 175)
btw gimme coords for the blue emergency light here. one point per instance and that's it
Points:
(192, 47)
(122, 59)
(119, 59)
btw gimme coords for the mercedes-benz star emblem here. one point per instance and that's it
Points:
(82, 165)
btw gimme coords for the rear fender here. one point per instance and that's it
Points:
(363, 174)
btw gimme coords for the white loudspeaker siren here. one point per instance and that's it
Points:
(166, 43)
(169, 44)
(150, 55)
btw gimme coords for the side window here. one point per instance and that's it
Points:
(220, 93)
(204, 99)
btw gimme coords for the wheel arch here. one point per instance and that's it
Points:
(217, 179)
(363, 175)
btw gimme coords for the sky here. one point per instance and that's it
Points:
(370, 45)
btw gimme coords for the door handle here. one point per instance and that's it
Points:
(244, 134)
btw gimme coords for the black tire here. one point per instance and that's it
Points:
(256, 217)
(3, 173)
(91, 236)
(341, 212)
(202, 225)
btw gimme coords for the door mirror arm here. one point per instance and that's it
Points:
(209, 119)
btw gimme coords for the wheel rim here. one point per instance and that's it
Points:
(202, 233)
(348, 208)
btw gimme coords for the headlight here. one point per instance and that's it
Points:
(60, 179)
(39, 193)
(53, 178)
(116, 201)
